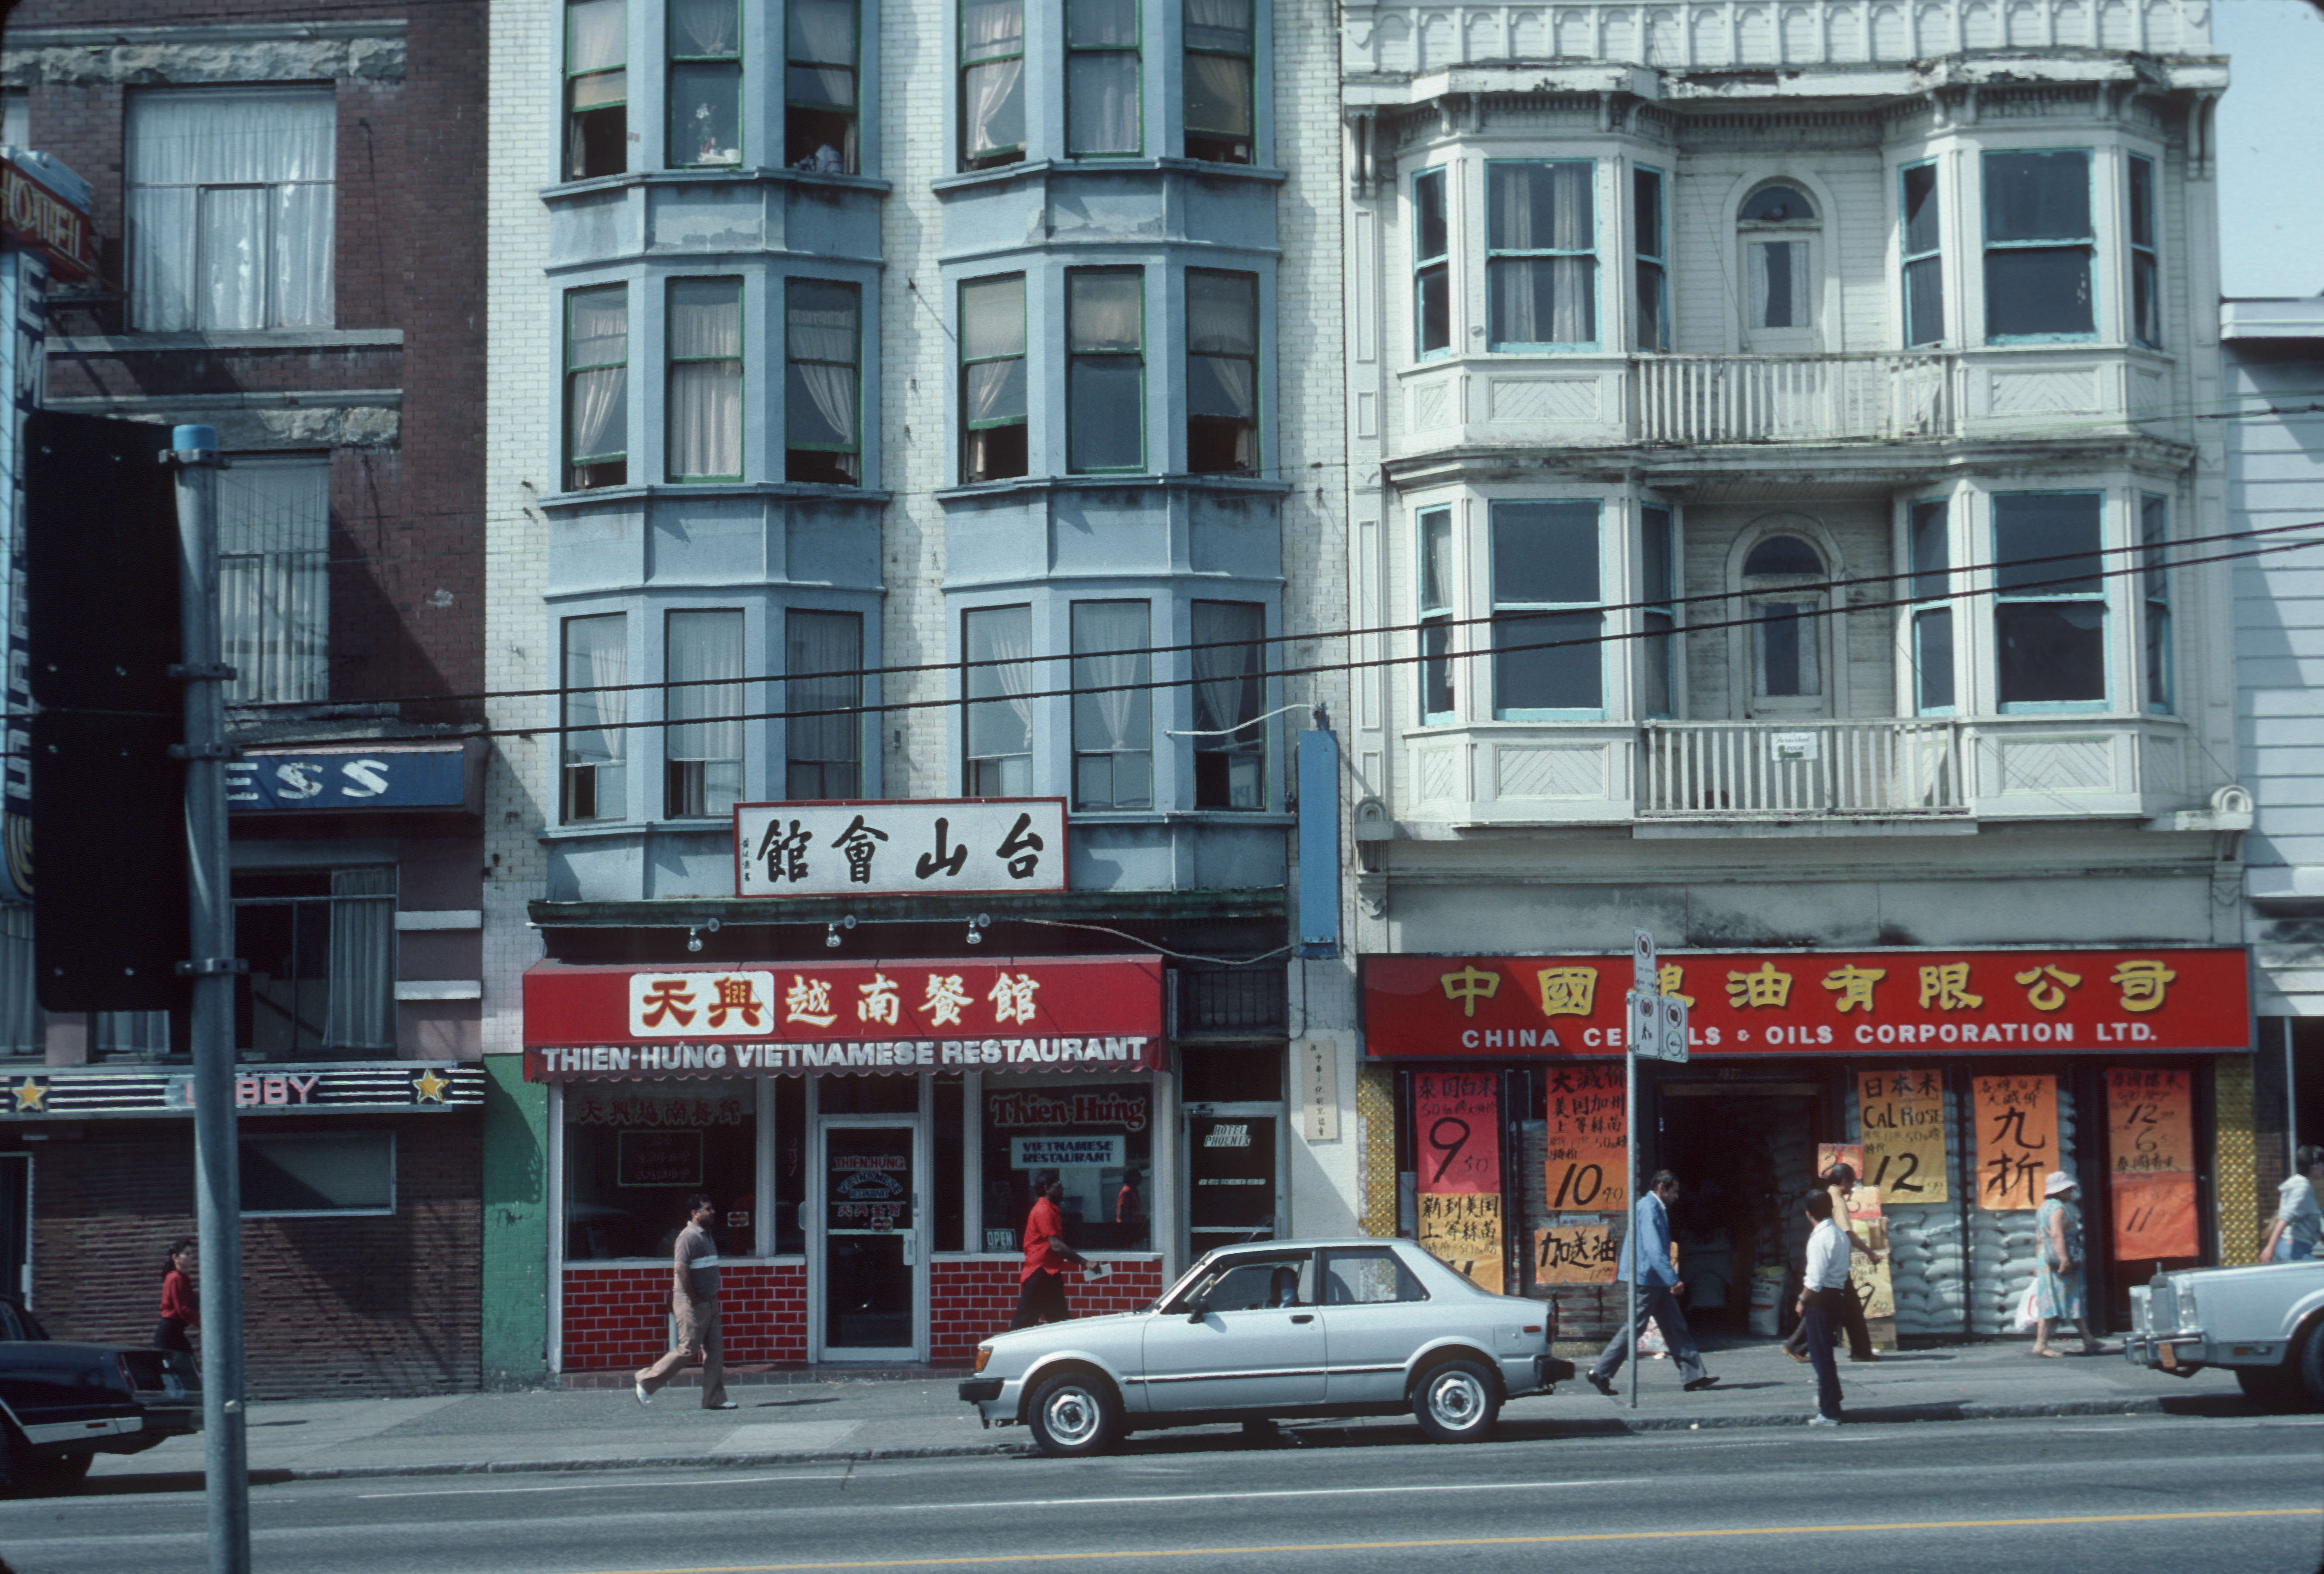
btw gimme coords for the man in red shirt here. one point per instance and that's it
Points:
(1041, 1294)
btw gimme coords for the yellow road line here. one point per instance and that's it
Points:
(1788, 1530)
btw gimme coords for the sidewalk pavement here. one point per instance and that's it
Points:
(798, 1416)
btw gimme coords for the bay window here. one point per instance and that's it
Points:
(1222, 373)
(596, 88)
(595, 715)
(1230, 662)
(706, 83)
(702, 748)
(1541, 262)
(1436, 601)
(820, 87)
(1548, 621)
(2039, 246)
(2049, 610)
(821, 386)
(1105, 370)
(1930, 527)
(1112, 704)
(2146, 302)
(996, 684)
(1432, 289)
(1102, 101)
(1646, 246)
(991, 83)
(1923, 256)
(705, 331)
(596, 387)
(1219, 81)
(823, 692)
(992, 378)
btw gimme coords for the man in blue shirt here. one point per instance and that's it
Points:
(1648, 1255)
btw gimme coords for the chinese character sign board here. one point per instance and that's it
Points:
(964, 846)
(1908, 1004)
(1589, 1169)
(2150, 1163)
(1574, 1253)
(1457, 1146)
(1902, 1116)
(1463, 1229)
(2016, 1139)
(1874, 1287)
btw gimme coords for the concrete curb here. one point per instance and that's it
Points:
(1889, 1415)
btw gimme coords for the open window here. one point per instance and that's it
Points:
(992, 378)
(820, 87)
(596, 387)
(596, 88)
(996, 717)
(991, 83)
(823, 350)
(595, 717)
(1230, 662)
(1779, 231)
(1219, 81)
(1222, 373)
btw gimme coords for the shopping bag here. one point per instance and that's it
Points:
(2026, 1317)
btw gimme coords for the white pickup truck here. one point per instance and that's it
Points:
(2267, 1324)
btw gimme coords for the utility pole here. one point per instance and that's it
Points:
(218, 1180)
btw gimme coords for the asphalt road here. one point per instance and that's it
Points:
(2102, 1493)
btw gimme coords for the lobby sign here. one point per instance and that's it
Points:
(900, 846)
(610, 1023)
(1804, 1002)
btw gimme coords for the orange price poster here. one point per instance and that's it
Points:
(1588, 1171)
(2016, 1139)
(1574, 1253)
(2150, 1163)
(1457, 1118)
(1903, 1114)
(2153, 1216)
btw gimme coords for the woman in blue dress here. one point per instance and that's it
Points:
(2058, 1272)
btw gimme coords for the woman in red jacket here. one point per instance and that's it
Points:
(178, 1312)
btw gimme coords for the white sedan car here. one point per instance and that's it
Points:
(1277, 1331)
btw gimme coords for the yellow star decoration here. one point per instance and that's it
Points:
(30, 1095)
(430, 1087)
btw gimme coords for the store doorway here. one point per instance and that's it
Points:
(16, 1226)
(1745, 1155)
(869, 1254)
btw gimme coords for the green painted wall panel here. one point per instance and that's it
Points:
(516, 1226)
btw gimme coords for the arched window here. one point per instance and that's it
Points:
(1778, 228)
(1783, 580)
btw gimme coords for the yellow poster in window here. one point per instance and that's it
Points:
(1575, 1254)
(1902, 1116)
(1463, 1229)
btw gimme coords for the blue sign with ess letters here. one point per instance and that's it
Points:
(338, 780)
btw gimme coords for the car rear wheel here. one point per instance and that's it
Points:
(1456, 1401)
(2310, 1366)
(2273, 1388)
(1075, 1413)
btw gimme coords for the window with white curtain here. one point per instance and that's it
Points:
(991, 83)
(596, 713)
(1548, 621)
(704, 338)
(596, 88)
(996, 684)
(1105, 370)
(1222, 373)
(1102, 80)
(822, 412)
(993, 442)
(1219, 81)
(1436, 582)
(1113, 705)
(1540, 254)
(1229, 660)
(706, 82)
(702, 700)
(596, 387)
(230, 208)
(274, 581)
(820, 113)
(321, 949)
(823, 692)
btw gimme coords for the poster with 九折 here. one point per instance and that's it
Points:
(1902, 1115)
(2016, 1139)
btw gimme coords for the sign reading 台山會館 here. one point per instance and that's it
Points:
(966, 846)
(371, 775)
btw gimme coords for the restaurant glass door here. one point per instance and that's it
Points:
(871, 1253)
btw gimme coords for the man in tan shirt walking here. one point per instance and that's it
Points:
(694, 1303)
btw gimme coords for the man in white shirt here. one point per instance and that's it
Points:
(1823, 1287)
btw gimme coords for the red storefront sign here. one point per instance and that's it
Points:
(1044, 1016)
(1856, 1003)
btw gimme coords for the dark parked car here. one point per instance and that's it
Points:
(63, 1404)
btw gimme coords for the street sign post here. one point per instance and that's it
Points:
(1642, 962)
(1674, 1029)
(1645, 1031)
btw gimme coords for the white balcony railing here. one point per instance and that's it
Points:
(1794, 398)
(1731, 770)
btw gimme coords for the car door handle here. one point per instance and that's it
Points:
(1304, 1316)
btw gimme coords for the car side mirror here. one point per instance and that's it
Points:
(1198, 1307)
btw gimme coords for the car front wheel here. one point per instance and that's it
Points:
(1075, 1413)
(1456, 1401)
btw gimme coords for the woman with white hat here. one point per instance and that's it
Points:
(2058, 1274)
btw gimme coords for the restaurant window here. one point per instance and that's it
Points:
(1436, 581)
(314, 1174)
(1229, 660)
(1547, 620)
(822, 339)
(1222, 373)
(1923, 256)
(1658, 612)
(1647, 242)
(1096, 1137)
(2155, 579)
(1432, 263)
(1114, 705)
(1105, 370)
(274, 582)
(2039, 246)
(2146, 271)
(2050, 601)
(993, 442)
(594, 718)
(823, 688)
(635, 1153)
(320, 944)
(1933, 612)
(706, 83)
(1219, 82)
(820, 109)
(596, 88)
(231, 210)
(991, 83)
(996, 684)
(706, 380)
(1102, 80)
(703, 704)
(596, 387)
(1541, 257)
